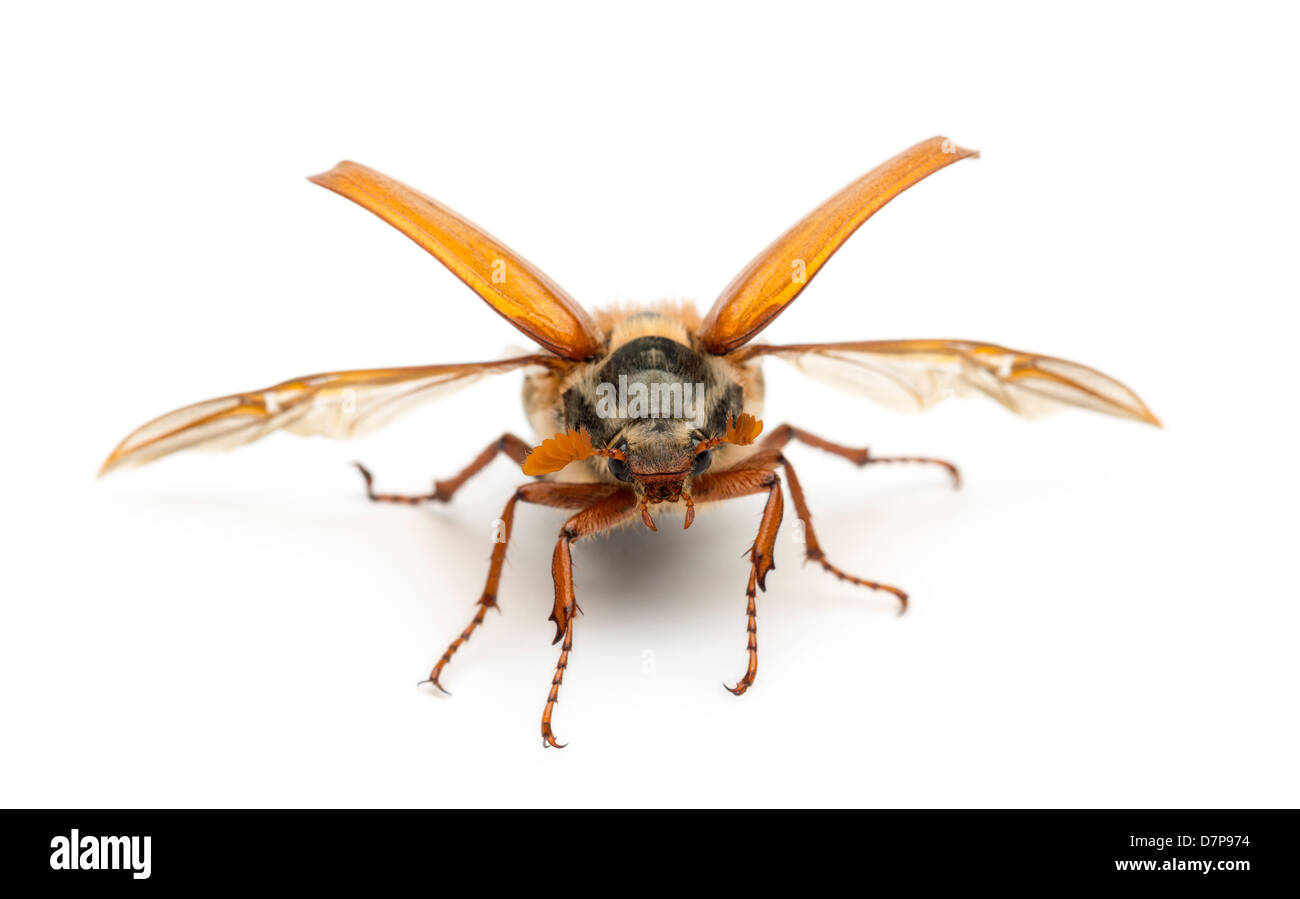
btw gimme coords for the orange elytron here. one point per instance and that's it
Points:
(641, 411)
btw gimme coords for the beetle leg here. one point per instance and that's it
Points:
(812, 549)
(743, 482)
(443, 491)
(489, 597)
(597, 517)
(780, 437)
(540, 493)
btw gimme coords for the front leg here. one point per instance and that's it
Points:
(597, 517)
(743, 482)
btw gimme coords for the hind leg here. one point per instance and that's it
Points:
(443, 491)
(782, 436)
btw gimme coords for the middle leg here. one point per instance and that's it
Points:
(569, 496)
(812, 550)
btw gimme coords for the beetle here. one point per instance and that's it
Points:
(645, 410)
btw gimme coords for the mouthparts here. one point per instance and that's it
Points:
(682, 495)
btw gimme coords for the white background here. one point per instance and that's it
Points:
(1106, 615)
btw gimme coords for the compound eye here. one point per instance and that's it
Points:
(618, 468)
(702, 462)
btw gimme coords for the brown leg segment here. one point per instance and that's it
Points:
(812, 549)
(780, 437)
(489, 597)
(743, 482)
(597, 517)
(541, 493)
(443, 491)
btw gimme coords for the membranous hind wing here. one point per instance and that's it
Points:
(916, 374)
(770, 283)
(510, 284)
(335, 404)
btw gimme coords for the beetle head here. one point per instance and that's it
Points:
(656, 457)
